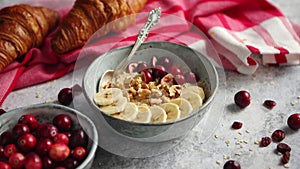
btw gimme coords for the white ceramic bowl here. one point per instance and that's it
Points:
(45, 113)
(198, 63)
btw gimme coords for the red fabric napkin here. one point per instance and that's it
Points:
(237, 29)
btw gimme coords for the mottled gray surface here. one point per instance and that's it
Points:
(278, 83)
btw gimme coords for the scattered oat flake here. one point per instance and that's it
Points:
(47, 101)
(238, 153)
(247, 131)
(216, 136)
(226, 157)
(293, 102)
(241, 146)
(246, 141)
(257, 142)
(218, 162)
(240, 133)
(227, 142)
(250, 149)
(37, 95)
(286, 166)
(298, 97)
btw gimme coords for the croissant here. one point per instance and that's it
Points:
(22, 28)
(87, 16)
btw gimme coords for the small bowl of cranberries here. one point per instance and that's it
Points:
(158, 63)
(47, 136)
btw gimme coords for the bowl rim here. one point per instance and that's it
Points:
(207, 102)
(94, 146)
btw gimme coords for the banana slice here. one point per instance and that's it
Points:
(193, 98)
(130, 112)
(107, 96)
(144, 114)
(116, 107)
(172, 110)
(185, 106)
(195, 89)
(158, 114)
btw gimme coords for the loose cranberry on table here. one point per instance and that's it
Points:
(10, 149)
(270, 104)
(285, 158)
(294, 121)
(26, 142)
(265, 141)
(283, 147)
(4, 165)
(32, 160)
(242, 98)
(65, 96)
(30, 121)
(59, 152)
(237, 125)
(278, 135)
(232, 164)
(16, 160)
(63, 122)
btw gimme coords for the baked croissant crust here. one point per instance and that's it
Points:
(87, 16)
(22, 28)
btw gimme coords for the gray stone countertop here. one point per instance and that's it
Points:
(210, 144)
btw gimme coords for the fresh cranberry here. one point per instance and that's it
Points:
(61, 138)
(164, 61)
(67, 134)
(141, 66)
(270, 104)
(286, 157)
(27, 142)
(33, 161)
(294, 121)
(231, 164)
(242, 98)
(278, 135)
(63, 122)
(78, 138)
(174, 70)
(158, 72)
(6, 138)
(10, 149)
(59, 152)
(65, 96)
(237, 125)
(146, 76)
(4, 165)
(16, 160)
(190, 77)
(131, 67)
(179, 79)
(47, 131)
(70, 163)
(1, 152)
(19, 130)
(43, 146)
(283, 147)
(265, 141)
(47, 163)
(79, 153)
(2, 111)
(30, 121)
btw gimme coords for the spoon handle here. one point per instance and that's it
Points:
(153, 18)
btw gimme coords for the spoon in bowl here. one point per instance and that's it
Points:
(153, 18)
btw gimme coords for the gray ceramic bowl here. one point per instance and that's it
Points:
(45, 113)
(161, 131)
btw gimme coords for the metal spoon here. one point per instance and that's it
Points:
(153, 18)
